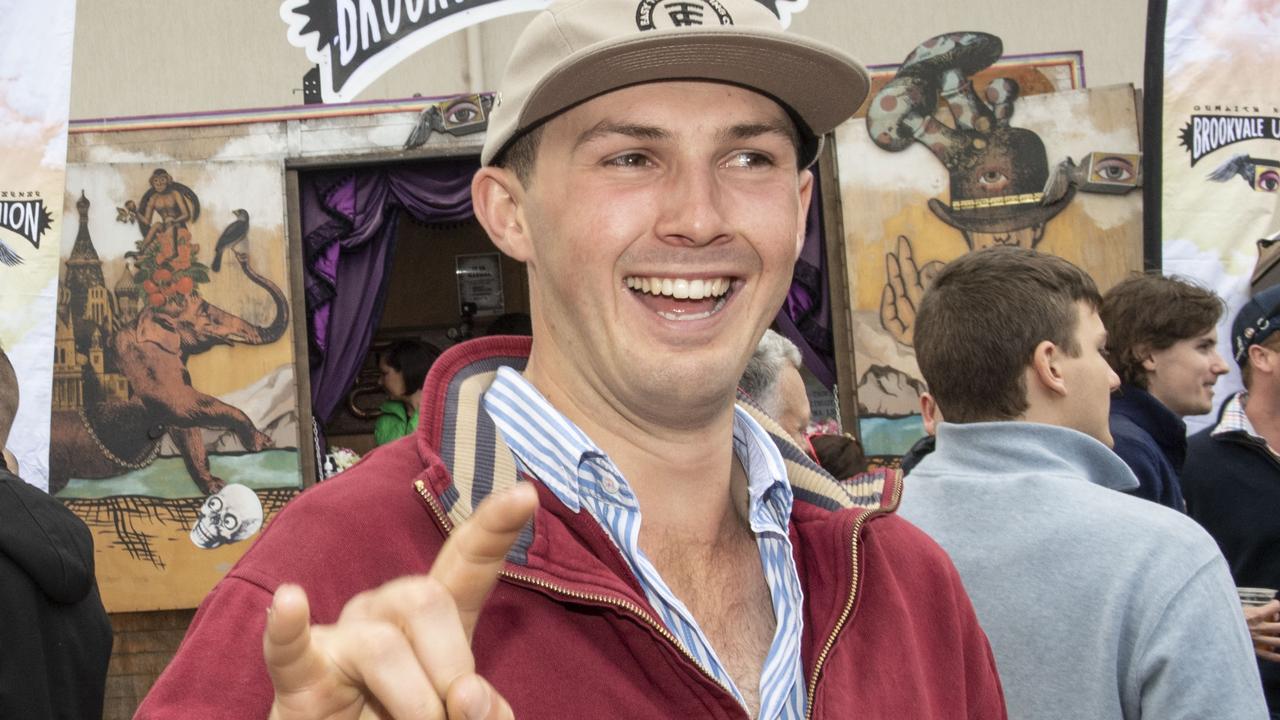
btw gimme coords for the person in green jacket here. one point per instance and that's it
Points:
(404, 365)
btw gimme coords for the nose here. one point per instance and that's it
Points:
(692, 209)
(1113, 380)
(1218, 366)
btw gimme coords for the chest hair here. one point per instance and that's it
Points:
(723, 586)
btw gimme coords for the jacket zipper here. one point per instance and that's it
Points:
(848, 606)
(625, 605)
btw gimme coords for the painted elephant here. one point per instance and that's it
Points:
(110, 437)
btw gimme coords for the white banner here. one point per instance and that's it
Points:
(36, 41)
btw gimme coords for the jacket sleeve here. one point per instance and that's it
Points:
(1195, 660)
(218, 671)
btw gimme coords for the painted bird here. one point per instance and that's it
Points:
(1245, 167)
(234, 233)
(9, 257)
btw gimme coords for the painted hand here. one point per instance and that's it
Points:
(404, 649)
(904, 287)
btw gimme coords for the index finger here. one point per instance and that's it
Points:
(471, 558)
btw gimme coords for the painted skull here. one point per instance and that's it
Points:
(230, 516)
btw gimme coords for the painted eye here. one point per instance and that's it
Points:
(993, 181)
(213, 504)
(1113, 169)
(461, 113)
(230, 522)
(1269, 181)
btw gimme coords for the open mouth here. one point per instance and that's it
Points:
(682, 298)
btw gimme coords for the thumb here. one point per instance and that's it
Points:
(286, 644)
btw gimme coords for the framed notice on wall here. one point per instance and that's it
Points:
(480, 283)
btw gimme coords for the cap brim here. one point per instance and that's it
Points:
(816, 83)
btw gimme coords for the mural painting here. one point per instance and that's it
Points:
(951, 157)
(175, 426)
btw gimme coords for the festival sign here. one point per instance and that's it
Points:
(354, 42)
(1220, 145)
(35, 96)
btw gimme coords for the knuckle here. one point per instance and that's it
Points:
(432, 595)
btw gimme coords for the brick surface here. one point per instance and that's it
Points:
(144, 644)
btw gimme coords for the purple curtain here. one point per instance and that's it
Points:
(349, 220)
(805, 318)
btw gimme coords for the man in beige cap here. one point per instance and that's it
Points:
(648, 163)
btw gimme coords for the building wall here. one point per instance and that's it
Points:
(134, 57)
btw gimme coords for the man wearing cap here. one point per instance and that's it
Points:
(684, 559)
(1231, 479)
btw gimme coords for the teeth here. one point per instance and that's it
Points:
(680, 288)
(694, 316)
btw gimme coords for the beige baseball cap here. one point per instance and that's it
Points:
(575, 50)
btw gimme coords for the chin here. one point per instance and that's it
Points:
(690, 384)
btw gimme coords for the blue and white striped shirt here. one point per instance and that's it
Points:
(549, 446)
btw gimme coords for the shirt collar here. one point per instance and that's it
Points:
(551, 447)
(1234, 418)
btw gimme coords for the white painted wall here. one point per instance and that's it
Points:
(140, 57)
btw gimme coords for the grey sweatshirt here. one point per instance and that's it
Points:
(1097, 604)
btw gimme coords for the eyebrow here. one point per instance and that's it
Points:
(746, 131)
(741, 131)
(606, 127)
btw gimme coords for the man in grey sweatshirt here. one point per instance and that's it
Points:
(1097, 604)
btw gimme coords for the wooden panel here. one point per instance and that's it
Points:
(891, 233)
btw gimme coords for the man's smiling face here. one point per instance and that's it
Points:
(663, 222)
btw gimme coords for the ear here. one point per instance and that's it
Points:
(1044, 366)
(930, 416)
(806, 197)
(1146, 356)
(1262, 360)
(498, 198)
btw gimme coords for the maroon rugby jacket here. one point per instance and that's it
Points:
(568, 633)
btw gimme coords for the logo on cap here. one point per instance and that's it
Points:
(680, 13)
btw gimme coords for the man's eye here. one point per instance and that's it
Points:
(629, 160)
(748, 159)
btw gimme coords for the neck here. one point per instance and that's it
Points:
(414, 402)
(682, 473)
(1261, 408)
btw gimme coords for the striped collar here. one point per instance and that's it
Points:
(456, 428)
(554, 449)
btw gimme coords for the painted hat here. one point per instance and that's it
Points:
(997, 183)
(575, 50)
